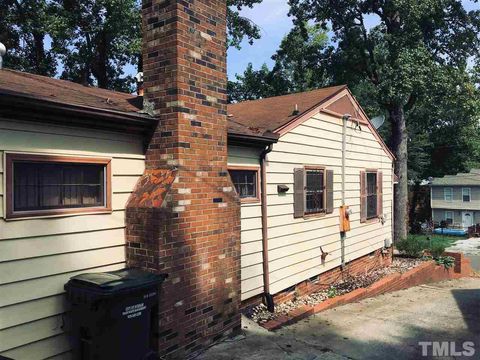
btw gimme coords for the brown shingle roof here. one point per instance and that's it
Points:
(271, 113)
(258, 118)
(65, 92)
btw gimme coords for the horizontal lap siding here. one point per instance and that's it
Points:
(38, 256)
(294, 244)
(251, 235)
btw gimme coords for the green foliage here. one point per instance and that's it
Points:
(412, 246)
(297, 68)
(332, 292)
(240, 27)
(447, 261)
(91, 40)
(24, 26)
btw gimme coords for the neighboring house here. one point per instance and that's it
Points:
(455, 199)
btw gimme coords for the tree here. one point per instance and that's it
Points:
(299, 60)
(413, 41)
(298, 67)
(24, 26)
(92, 40)
(239, 27)
(96, 39)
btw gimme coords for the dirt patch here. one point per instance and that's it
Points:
(261, 315)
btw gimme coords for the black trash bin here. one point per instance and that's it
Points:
(112, 314)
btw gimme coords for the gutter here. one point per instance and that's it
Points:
(268, 298)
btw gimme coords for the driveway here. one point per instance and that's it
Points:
(389, 326)
(471, 249)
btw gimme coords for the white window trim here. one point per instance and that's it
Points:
(469, 194)
(447, 217)
(445, 194)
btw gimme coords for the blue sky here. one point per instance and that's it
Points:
(271, 17)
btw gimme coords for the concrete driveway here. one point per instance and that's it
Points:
(386, 327)
(470, 248)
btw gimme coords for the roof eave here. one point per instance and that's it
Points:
(235, 138)
(19, 106)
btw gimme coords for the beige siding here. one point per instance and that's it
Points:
(252, 268)
(438, 200)
(38, 256)
(294, 244)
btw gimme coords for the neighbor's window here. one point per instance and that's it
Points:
(448, 194)
(466, 194)
(449, 217)
(315, 191)
(372, 195)
(246, 182)
(51, 185)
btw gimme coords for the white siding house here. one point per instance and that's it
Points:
(295, 244)
(39, 255)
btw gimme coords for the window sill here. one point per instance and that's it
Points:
(372, 220)
(57, 214)
(250, 200)
(314, 215)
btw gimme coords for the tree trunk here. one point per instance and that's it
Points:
(400, 150)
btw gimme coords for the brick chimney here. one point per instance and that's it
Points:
(184, 216)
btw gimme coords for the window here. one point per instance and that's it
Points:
(53, 185)
(246, 183)
(448, 194)
(371, 195)
(313, 191)
(466, 194)
(449, 217)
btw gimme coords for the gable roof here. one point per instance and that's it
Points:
(274, 112)
(281, 114)
(461, 179)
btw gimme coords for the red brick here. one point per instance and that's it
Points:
(172, 213)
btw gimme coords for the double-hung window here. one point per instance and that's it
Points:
(371, 195)
(39, 185)
(466, 194)
(449, 217)
(448, 194)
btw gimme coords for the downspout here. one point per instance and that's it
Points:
(268, 298)
(343, 234)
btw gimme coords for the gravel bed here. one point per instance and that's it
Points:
(261, 315)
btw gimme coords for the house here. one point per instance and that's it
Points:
(236, 204)
(455, 199)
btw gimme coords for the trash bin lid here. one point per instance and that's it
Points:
(116, 281)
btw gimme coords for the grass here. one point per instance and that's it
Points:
(438, 240)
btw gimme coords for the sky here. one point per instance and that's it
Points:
(272, 17)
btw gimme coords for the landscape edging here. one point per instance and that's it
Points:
(427, 272)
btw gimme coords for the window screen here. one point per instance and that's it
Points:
(466, 194)
(49, 186)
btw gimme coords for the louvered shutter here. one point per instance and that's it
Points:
(363, 196)
(329, 190)
(379, 193)
(299, 193)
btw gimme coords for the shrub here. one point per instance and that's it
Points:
(437, 249)
(413, 246)
(447, 261)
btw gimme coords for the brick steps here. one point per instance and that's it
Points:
(425, 273)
